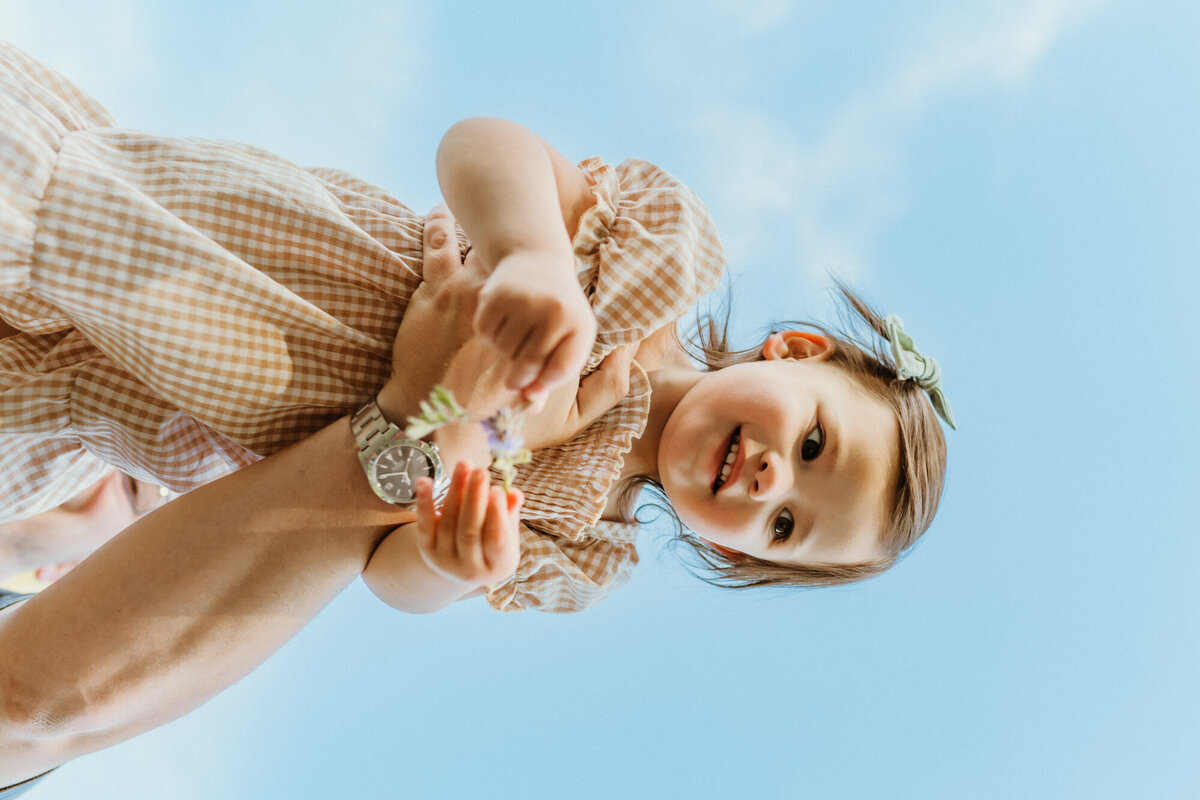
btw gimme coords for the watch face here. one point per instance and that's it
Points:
(395, 470)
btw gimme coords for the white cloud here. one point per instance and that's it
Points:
(835, 193)
(320, 87)
(316, 86)
(75, 37)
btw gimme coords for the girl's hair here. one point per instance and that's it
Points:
(922, 467)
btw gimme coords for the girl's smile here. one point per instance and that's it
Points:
(731, 458)
(787, 459)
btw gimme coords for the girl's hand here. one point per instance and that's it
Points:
(532, 310)
(475, 539)
(575, 405)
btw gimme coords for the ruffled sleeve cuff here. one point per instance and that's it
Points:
(645, 251)
(561, 576)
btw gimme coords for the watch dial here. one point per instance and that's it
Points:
(397, 469)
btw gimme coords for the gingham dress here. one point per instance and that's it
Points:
(187, 307)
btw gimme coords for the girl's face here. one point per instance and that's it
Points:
(787, 459)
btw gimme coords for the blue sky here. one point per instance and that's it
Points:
(1019, 180)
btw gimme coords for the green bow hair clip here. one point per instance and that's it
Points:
(911, 365)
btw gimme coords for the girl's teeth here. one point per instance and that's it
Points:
(730, 457)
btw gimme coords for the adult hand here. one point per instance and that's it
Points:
(437, 322)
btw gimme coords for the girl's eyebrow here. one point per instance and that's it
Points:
(807, 532)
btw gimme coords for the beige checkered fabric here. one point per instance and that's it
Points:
(189, 306)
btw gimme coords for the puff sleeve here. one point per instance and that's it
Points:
(645, 251)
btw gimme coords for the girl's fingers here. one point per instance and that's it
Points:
(427, 516)
(536, 352)
(471, 516)
(511, 338)
(567, 354)
(493, 529)
(450, 513)
(499, 532)
(515, 499)
(491, 317)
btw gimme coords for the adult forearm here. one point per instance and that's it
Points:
(184, 602)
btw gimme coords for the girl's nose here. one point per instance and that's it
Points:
(771, 474)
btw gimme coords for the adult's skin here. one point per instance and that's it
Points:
(54, 541)
(194, 596)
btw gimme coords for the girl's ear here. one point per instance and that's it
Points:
(797, 344)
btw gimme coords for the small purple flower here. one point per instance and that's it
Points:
(508, 446)
(503, 430)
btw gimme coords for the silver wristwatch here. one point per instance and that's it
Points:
(392, 461)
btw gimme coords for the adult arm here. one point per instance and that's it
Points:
(190, 598)
(183, 603)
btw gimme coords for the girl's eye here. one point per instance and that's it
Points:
(782, 528)
(813, 444)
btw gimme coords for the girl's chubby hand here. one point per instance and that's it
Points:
(533, 311)
(475, 539)
(576, 404)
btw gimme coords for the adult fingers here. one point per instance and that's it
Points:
(439, 242)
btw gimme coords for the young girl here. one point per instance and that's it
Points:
(810, 460)
(184, 307)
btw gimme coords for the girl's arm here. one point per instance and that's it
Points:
(420, 579)
(509, 189)
(520, 201)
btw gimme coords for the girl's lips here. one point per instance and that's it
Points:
(735, 472)
(719, 461)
